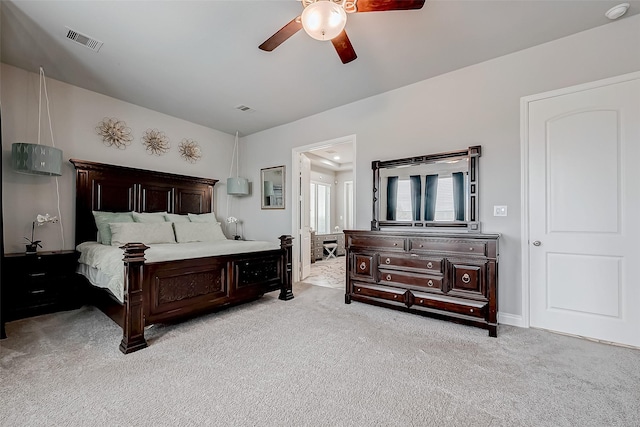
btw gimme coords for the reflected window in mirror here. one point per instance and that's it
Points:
(443, 197)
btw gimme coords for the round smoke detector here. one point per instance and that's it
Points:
(617, 11)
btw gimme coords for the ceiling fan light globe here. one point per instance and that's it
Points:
(323, 20)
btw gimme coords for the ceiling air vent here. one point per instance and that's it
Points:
(84, 40)
(243, 108)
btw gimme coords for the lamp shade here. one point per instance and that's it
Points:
(268, 189)
(36, 159)
(237, 186)
(323, 20)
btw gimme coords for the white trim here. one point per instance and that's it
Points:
(295, 181)
(524, 174)
(511, 320)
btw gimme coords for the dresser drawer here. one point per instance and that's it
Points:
(472, 247)
(363, 266)
(391, 277)
(377, 242)
(432, 265)
(446, 303)
(382, 292)
(467, 279)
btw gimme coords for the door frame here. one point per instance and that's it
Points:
(295, 187)
(524, 175)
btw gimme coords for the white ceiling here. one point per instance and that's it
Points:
(337, 157)
(198, 60)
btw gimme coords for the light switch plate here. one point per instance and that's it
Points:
(499, 211)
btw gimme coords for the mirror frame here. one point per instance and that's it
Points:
(263, 205)
(473, 224)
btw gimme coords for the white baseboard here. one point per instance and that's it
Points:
(511, 319)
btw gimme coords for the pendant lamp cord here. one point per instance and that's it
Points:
(235, 155)
(43, 84)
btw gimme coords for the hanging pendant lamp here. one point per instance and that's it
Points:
(237, 186)
(36, 159)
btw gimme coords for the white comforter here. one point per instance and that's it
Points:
(108, 259)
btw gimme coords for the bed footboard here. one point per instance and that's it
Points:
(167, 291)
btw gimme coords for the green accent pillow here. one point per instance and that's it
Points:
(205, 217)
(176, 218)
(103, 219)
(149, 217)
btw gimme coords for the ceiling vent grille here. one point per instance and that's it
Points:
(243, 108)
(84, 40)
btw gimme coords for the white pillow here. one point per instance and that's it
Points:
(198, 232)
(149, 216)
(141, 232)
(206, 217)
(176, 218)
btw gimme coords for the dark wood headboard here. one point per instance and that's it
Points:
(102, 187)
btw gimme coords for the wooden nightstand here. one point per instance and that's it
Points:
(39, 284)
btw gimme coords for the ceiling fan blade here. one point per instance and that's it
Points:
(382, 5)
(344, 48)
(282, 35)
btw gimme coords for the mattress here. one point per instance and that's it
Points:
(102, 265)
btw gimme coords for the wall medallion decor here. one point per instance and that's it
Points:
(114, 132)
(156, 142)
(189, 150)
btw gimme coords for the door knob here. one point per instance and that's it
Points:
(537, 243)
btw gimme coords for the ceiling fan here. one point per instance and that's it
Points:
(325, 20)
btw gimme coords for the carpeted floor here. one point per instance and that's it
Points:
(311, 361)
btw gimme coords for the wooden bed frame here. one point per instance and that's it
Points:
(171, 290)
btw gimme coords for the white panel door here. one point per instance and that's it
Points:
(305, 214)
(584, 212)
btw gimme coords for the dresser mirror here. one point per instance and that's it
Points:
(427, 192)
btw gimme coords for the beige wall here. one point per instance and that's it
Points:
(477, 105)
(75, 113)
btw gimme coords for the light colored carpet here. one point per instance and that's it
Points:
(311, 361)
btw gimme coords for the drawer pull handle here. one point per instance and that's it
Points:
(387, 261)
(470, 249)
(466, 278)
(358, 289)
(39, 291)
(421, 245)
(363, 266)
(421, 301)
(37, 274)
(395, 244)
(388, 277)
(395, 296)
(430, 283)
(472, 310)
(429, 265)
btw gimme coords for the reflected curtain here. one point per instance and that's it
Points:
(430, 195)
(458, 195)
(392, 197)
(416, 192)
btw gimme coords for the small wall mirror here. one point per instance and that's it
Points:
(272, 187)
(431, 191)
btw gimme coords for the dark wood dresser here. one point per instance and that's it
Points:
(450, 276)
